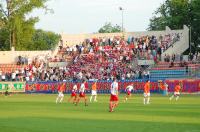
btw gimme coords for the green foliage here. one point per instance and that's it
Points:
(25, 31)
(172, 13)
(195, 22)
(13, 18)
(175, 14)
(4, 39)
(109, 28)
(44, 40)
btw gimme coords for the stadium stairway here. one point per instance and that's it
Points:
(170, 73)
(163, 71)
(178, 47)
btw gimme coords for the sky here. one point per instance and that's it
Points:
(87, 16)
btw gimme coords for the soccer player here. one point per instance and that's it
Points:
(147, 92)
(94, 92)
(82, 94)
(73, 94)
(60, 94)
(166, 88)
(8, 88)
(128, 90)
(162, 87)
(6, 91)
(113, 96)
(176, 92)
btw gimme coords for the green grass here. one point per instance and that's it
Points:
(39, 113)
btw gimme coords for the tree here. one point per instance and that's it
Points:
(195, 22)
(172, 13)
(109, 28)
(175, 14)
(4, 39)
(44, 40)
(13, 18)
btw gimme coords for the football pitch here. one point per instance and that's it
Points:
(39, 113)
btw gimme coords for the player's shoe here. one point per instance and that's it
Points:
(111, 110)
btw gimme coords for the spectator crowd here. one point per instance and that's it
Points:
(96, 58)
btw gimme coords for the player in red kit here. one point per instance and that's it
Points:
(73, 94)
(82, 94)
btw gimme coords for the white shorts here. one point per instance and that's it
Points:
(176, 93)
(146, 94)
(60, 94)
(94, 92)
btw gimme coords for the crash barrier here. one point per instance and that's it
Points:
(188, 86)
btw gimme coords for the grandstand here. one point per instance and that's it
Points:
(128, 57)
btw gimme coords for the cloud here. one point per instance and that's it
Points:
(74, 15)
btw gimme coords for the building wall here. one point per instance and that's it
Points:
(180, 46)
(70, 39)
(11, 57)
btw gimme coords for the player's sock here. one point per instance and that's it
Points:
(57, 100)
(144, 100)
(95, 98)
(171, 97)
(61, 99)
(177, 98)
(148, 100)
(91, 99)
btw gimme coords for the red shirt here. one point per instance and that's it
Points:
(147, 87)
(177, 88)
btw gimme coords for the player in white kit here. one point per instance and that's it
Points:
(82, 94)
(73, 94)
(128, 90)
(113, 96)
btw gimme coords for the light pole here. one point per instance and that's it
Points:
(8, 4)
(190, 39)
(122, 10)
